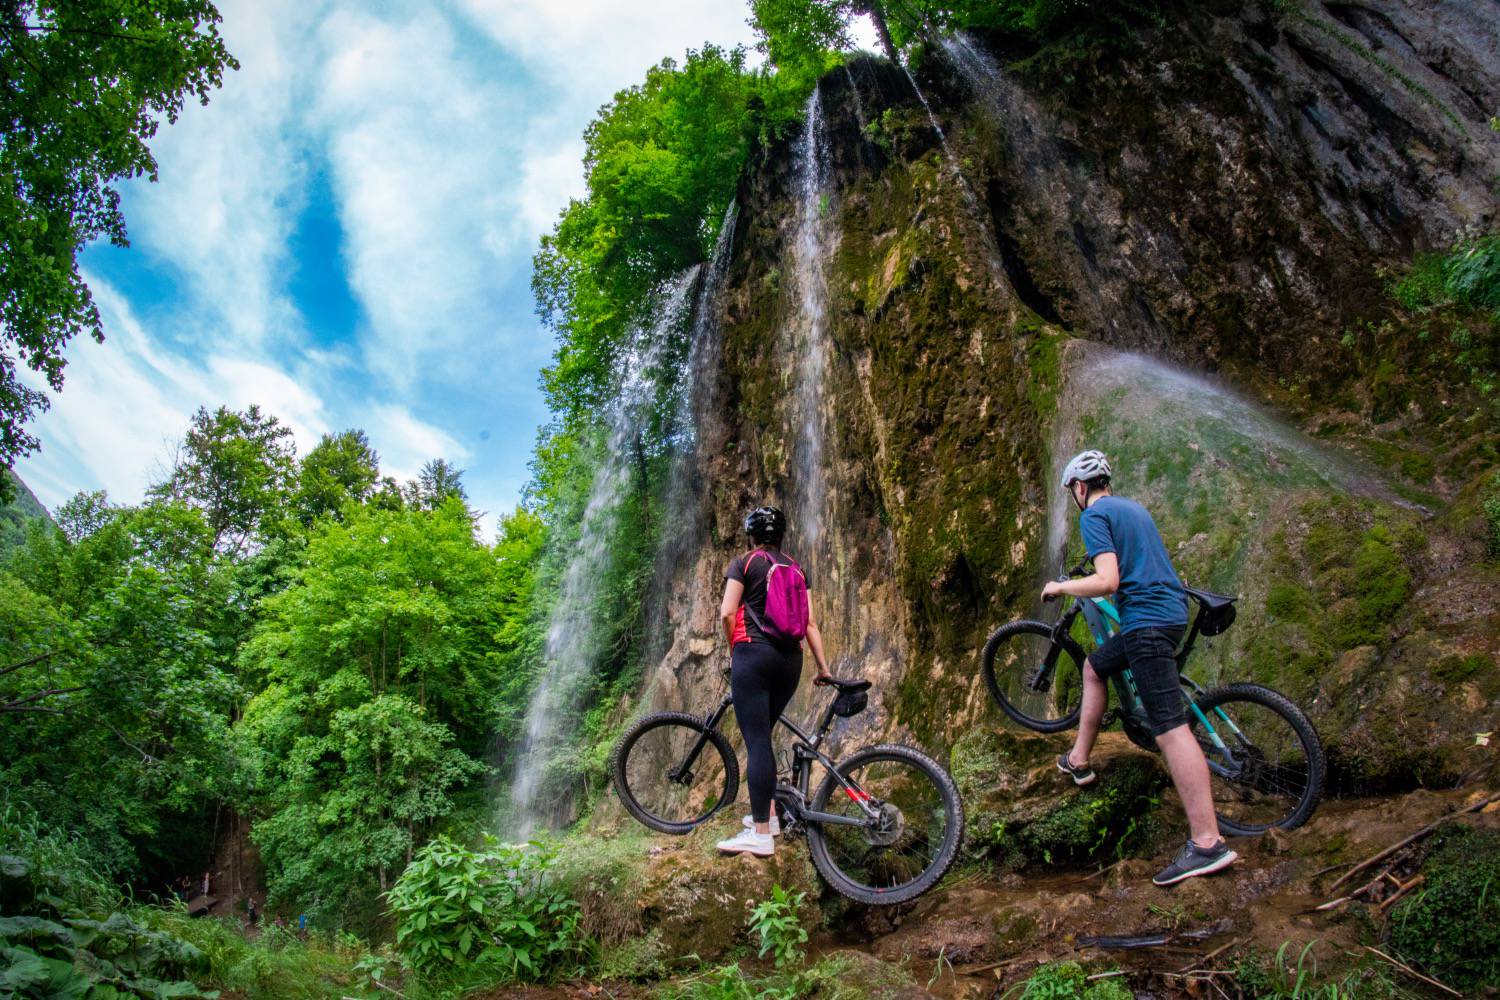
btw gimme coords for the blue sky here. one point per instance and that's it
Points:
(344, 235)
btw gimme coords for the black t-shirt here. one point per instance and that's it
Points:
(752, 569)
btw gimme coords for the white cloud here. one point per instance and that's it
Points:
(232, 174)
(406, 443)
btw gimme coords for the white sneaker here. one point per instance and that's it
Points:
(749, 822)
(749, 842)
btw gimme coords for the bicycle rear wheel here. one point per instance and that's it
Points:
(1265, 759)
(913, 843)
(672, 772)
(1011, 659)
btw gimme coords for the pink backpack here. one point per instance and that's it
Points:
(787, 611)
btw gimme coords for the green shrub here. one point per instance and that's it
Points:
(1452, 926)
(495, 907)
(1068, 981)
(1491, 506)
(1467, 275)
(777, 925)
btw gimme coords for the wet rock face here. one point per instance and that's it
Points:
(1221, 194)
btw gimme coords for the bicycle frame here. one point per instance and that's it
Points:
(1103, 621)
(805, 750)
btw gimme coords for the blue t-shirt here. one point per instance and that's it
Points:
(1150, 594)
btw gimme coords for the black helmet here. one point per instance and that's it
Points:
(766, 525)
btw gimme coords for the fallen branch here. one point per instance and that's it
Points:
(976, 970)
(1413, 972)
(1199, 962)
(1425, 831)
(1401, 890)
(1330, 868)
(1106, 975)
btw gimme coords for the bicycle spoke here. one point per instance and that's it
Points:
(1017, 663)
(669, 785)
(1265, 772)
(908, 840)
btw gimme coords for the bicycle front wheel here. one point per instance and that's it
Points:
(672, 772)
(913, 841)
(1012, 658)
(1265, 759)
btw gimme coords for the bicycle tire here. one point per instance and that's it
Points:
(1307, 738)
(933, 872)
(619, 770)
(997, 640)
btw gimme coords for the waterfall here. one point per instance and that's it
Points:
(684, 497)
(1238, 453)
(813, 245)
(572, 643)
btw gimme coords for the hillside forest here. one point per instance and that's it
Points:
(289, 726)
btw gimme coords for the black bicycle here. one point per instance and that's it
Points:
(1264, 756)
(884, 826)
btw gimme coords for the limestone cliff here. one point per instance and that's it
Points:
(1225, 192)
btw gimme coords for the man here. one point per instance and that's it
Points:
(1131, 561)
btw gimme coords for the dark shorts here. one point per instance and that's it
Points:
(1148, 654)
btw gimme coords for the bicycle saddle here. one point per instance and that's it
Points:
(848, 686)
(1211, 601)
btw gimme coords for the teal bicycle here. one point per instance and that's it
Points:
(1265, 758)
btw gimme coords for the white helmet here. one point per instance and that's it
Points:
(1085, 465)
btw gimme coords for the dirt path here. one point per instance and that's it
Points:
(979, 933)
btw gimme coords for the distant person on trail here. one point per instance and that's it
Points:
(1130, 560)
(767, 615)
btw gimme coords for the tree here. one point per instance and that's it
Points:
(795, 31)
(237, 468)
(435, 485)
(378, 672)
(340, 469)
(84, 84)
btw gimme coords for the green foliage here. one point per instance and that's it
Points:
(1451, 927)
(63, 935)
(777, 925)
(237, 469)
(1068, 981)
(87, 84)
(496, 906)
(1491, 507)
(1468, 275)
(661, 163)
(341, 469)
(19, 512)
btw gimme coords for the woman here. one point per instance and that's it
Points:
(763, 673)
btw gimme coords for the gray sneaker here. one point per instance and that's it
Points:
(1194, 860)
(1081, 775)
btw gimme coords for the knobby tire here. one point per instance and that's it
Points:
(1307, 736)
(930, 876)
(717, 743)
(997, 641)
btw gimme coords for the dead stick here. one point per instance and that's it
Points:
(1400, 891)
(1376, 859)
(984, 968)
(1413, 972)
(1197, 962)
(1330, 868)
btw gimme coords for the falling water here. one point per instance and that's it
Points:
(694, 398)
(1124, 396)
(813, 245)
(572, 644)
(859, 103)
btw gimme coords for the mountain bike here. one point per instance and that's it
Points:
(883, 826)
(1265, 759)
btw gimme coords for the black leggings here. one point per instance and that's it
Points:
(762, 680)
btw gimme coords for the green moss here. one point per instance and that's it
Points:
(1290, 602)
(1452, 926)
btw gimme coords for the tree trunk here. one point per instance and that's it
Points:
(877, 17)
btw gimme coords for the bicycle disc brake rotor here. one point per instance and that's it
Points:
(887, 828)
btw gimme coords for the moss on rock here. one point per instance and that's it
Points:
(1022, 811)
